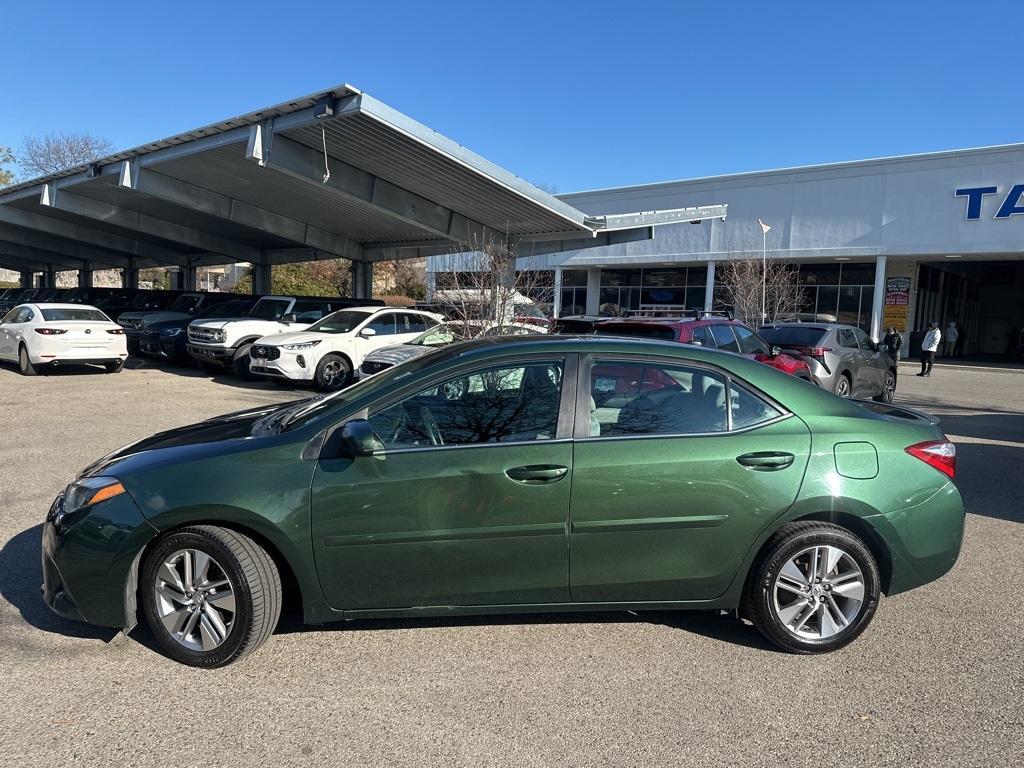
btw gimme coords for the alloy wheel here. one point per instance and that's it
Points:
(843, 387)
(332, 374)
(818, 593)
(890, 387)
(195, 599)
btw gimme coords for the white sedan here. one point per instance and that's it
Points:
(38, 336)
(332, 349)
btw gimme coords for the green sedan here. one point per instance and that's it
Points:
(513, 475)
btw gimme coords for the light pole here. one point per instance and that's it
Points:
(764, 267)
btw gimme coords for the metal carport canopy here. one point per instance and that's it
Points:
(329, 175)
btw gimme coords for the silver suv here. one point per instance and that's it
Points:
(842, 358)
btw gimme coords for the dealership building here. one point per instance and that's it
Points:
(896, 241)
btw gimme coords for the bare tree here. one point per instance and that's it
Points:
(742, 283)
(42, 155)
(6, 158)
(490, 283)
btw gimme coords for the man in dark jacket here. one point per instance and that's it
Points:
(892, 343)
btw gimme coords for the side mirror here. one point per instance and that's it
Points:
(368, 332)
(775, 350)
(353, 439)
(289, 318)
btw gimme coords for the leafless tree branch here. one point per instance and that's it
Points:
(43, 155)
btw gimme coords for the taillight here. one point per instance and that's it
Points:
(819, 352)
(50, 331)
(940, 454)
(116, 331)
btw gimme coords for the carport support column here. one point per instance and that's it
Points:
(593, 291)
(878, 301)
(261, 279)
(362, 279)
(26, 279)
(556, 303)
(85, 278)
(185, 278)
(709, 288)
(130, 276)
(50, 278)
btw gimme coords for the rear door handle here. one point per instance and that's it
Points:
(766, 461)
(535, 474)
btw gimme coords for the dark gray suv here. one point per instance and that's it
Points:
(842, 358)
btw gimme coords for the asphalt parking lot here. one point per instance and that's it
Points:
(937, 680)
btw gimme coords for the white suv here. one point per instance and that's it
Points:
(225, 343)
(329, 351)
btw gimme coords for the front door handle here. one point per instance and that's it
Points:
(535, 474)
(766, 461)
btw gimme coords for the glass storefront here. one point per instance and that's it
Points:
(634, 289)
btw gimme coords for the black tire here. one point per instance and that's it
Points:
(253, 577)
(760, 604)
(333, 372)
(25, 366)
(114, 367)
(888, 392)
(843, 386)
(240, 364)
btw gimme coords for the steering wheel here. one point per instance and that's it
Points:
(431, 426)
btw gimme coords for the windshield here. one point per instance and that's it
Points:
(228, 309)
(344, 321)
(447, 333)
(792, 335)
(185, 304)
(270, 309)
(57, 315)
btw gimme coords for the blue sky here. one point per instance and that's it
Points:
(571, 95)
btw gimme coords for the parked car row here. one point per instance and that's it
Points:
(840, 358)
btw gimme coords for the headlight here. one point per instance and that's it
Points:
(301, 345)
(218, 335)
(90, 490)
(171, 332)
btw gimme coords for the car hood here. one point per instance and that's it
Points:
(399, 353)
(292, 337)
(175, 444)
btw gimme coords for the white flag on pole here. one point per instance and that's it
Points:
(764, 227)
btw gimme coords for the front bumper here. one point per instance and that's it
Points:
(161, 346)
(211, 355)
(297, 365)
(88, 557)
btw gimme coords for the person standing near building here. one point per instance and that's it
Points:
(892, 343)
(929, 346)
(950, 337)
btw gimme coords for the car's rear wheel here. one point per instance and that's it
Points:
(332, 372)
(889, 388)
(815, 589)
(25, 365)
(843, 385)
(210, 595)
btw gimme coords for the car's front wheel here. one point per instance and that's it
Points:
(210, 595)
(815, 589)
(332, 372)
(240, 364)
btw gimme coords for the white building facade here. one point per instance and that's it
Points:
(898, 241)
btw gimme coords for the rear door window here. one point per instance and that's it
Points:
(847, 338)
(724, 338)
(702, 334)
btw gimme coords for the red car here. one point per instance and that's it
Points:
(709, 330)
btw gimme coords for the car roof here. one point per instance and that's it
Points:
(813, 326)
(54, 305)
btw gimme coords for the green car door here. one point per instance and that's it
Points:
(466, 503)
(676, 470)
